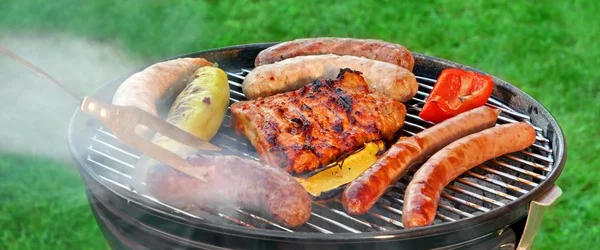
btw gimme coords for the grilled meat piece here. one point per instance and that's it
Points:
(363, 192)
(312, 126)
(266, 189)
(368, 48)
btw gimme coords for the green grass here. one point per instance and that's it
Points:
(547, 48)
(43, 206)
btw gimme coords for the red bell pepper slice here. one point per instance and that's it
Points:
(456, 91)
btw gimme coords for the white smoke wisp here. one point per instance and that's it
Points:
(34, 114)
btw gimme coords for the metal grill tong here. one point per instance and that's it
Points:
(123, 121)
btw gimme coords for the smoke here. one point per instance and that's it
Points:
(34, 114)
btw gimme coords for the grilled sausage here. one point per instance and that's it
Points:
(151, 85)
(293, 73)
(233, 181)
(143, 89)
(368, 48)
(423, 192)
(362, 193)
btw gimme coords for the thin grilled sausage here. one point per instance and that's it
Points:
(293, 73)
(423, 192)
(233, 182)
(362, 193)
(368, 48)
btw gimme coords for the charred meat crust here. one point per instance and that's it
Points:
(314, 125)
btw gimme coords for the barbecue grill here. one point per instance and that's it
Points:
(485, 208)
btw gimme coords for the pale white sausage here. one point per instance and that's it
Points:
(293, 73)
(143, 89)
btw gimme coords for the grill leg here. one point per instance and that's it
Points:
(518, 227)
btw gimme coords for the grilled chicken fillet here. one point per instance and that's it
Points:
(313, 126)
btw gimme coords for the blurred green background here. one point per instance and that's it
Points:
(549, 49)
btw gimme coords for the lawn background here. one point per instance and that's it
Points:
(547, 48)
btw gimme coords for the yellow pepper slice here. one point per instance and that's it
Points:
(351, 167)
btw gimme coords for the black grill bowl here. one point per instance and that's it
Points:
(129, 222)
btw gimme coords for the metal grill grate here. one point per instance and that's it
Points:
(489, 186)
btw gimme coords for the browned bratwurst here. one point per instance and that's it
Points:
(233, 181)
(362, 193)
(423, 192)
(369, 48)
(294, 73)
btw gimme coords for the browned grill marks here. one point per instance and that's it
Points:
(318, 122)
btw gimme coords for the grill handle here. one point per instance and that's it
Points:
(537, 208)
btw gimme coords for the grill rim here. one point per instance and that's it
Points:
(225, 55)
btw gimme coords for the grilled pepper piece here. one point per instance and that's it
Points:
(200, 108)
(455, 92)
(331, 181)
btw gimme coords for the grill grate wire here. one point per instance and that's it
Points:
(489, 186)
